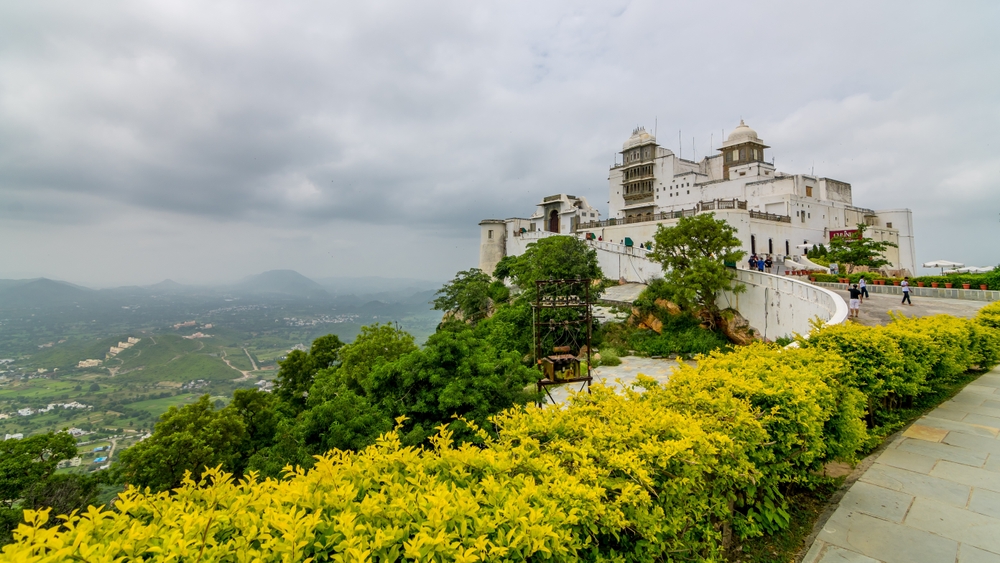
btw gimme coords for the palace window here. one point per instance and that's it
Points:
(888, 225)
(809, 191)
(490, 234)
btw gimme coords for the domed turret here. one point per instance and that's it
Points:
(639, 137)
(742, 134)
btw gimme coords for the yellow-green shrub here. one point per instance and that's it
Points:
(651, 474)
(611, 477)
(875, 361)
(801, 416)
(990, 315)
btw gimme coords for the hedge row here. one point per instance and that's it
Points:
(654, 473)
(990, 279)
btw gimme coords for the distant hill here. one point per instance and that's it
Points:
(166, 285)
(371, 285)
(41, 291)
(284, 282)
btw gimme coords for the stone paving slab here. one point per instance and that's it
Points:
(933, 495)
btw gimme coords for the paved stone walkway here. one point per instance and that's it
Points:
(630, 367)
(933, 495)
(875, 310)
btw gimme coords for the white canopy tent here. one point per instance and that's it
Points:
(969, 270)
(943, 264)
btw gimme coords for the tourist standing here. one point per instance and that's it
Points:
(855, 303)
(906, 291)
(863, 288)
(760, 264)
(753, 261)
(769, 264)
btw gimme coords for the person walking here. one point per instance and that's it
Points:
(855, 303)
(863, 288)
(906, 291)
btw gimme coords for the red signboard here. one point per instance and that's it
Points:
(849, 233)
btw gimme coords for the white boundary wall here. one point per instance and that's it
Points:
(775, 305)
(779, 306)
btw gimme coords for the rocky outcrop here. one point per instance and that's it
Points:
(736, 328)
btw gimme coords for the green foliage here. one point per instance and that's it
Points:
(30, 460)
(467, 294)
(609, 357)
(298, 369)
(682, 335)
(859, 251)
(693, 255)
(188, 439)
(28, 479)
(376, 345)
(989, 315)
(555, 257)
(653, 473)
(455, 373)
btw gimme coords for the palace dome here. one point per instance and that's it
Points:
(639, 137)
(742, 134)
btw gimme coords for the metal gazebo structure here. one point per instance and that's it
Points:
(562, 326)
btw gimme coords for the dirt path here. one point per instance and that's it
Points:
(253, 363)
(244, 375)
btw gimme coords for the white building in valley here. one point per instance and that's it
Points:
(773, 212)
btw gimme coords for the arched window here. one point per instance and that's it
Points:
(770, 246)
(753, 244)
(553, 221)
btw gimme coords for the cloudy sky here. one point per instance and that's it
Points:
(206, 141)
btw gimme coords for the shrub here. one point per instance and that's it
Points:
(609, 357)
(990, 315)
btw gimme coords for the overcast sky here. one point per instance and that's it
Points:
(206, 141)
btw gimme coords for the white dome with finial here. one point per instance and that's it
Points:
(639, 137)
(742, 134)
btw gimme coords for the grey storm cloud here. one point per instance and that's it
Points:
(169, 127)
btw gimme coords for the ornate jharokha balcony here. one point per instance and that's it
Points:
(701, 207)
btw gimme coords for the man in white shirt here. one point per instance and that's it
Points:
(906, 291)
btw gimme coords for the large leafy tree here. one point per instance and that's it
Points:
(28, 479)
(297, 370)
(468, 294)
(556, 257)
(455, 373)
(693, 254)
(859, 251)
(377, 344)
(190, 438)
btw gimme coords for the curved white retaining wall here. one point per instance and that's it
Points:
(775, 305)
(780, 306)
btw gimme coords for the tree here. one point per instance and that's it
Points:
(468, 294)
(377, 344)
(26, 462)
(456, 373)
(27, 477)
(859, 251)
(298, 369)
(693, 254)
(191, 438)
(556, 257)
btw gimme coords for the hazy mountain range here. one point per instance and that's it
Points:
(273, 284)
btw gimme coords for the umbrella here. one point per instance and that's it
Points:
(969, 270)
(943, 264)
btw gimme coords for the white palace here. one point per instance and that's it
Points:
(773, 212)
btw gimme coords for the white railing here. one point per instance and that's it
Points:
(781, 306)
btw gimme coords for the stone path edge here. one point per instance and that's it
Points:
(859, 471)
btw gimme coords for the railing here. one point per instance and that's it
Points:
(676, 214)
(770, 216)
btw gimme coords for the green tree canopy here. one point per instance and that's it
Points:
(377, 344)
(555, 257)
(468, 294)
(186, 439)
(859, 251)
(693, 254)
(455, 373)
(298, 369)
